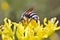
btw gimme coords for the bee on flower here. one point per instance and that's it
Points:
(28, 15)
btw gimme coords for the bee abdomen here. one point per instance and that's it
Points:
(34, 16)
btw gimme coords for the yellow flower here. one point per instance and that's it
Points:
(7, 31)
(6, 37)
(29, 34)
(4, 6)
(20, 31)
(32, 30)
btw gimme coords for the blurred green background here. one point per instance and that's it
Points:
(13, 9)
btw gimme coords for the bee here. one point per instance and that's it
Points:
(29, 14)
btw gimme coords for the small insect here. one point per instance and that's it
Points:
(29, 14)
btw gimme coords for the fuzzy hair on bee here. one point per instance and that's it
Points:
(29, 14)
